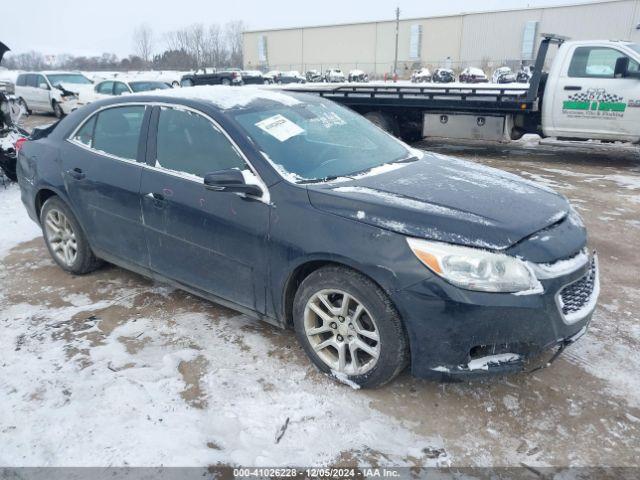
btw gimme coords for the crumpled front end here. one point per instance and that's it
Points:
(456, 333)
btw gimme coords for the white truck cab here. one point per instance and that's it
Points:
(593, 92)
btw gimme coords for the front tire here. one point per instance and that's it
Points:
(349, 328)
(57, 110)
(65, 239)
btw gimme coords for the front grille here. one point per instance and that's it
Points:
(574, 297)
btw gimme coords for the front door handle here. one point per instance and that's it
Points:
(158, 199)
(573, 88)
(76, 174)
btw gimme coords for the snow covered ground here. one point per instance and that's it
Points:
(111, 369)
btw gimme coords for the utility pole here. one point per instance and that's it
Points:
(395, 58)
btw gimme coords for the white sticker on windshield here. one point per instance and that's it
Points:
(280, 127)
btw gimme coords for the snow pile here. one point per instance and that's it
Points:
(17, 227)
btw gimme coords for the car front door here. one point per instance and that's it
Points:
(591, 101)
(212, 241)
(102, 176)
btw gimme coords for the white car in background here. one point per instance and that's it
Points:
(114, 87)
(421, 75)
(334, 75)
(51, 92)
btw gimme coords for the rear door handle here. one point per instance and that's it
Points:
(76, 174)
(573, 88)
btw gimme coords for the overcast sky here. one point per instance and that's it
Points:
(85, 27)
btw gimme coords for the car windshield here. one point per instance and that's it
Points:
(146, 86)
(634, 46)
(58, 78)
(318, 140)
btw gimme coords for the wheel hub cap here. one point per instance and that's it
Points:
(342, 332)
(61, 237)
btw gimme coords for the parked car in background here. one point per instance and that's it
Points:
(473, 75)
(334, 75)
(295, 210)
(422, 75)
(110, 88)
(7, 86)
(253, 77)
(444, 75)
(51, 92)
(503, 75)
(358, 76)
(212, 77)
(292, 76)
(313, 76)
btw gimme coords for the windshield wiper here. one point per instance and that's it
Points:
(318, 180)
(410, 159)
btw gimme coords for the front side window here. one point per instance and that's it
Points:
(147, 86)
(192, 144)
(105, 88)
(597, 62)
(41, 82)
(21, 81)
(32, 80)
(115, 131)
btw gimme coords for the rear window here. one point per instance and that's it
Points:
(115, 131)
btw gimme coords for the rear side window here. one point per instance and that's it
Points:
(596, 62)
(32, 80)
(115, 131)
(85, 134)
(190, 143)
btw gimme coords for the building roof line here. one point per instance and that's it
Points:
(448, 15)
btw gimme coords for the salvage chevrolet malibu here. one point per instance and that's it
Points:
(297, 211)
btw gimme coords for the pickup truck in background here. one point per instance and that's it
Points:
(591, 92)
(212, 77)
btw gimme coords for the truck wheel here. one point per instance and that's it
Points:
(349, 328)
(65, 239)
(57, 109)
(226, 81)
(385, 121)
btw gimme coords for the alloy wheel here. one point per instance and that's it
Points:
(342, 332)
(61, 237)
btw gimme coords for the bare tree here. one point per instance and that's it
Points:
(233, 33)
(143, 42)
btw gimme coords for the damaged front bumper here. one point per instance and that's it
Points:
(462, 334)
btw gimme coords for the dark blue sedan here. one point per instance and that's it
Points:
(300, 212)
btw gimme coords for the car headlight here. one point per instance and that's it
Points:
(476, 269)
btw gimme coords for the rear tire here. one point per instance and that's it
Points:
(65, 239)
(226, 82)
(363, 342)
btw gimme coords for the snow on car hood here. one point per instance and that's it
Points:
(446, 199)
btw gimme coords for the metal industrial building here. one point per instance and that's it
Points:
(484, 39)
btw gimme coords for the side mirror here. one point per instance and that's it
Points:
(43, 86)
(622, 69)
(230, 180)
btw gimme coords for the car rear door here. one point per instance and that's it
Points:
(589, 101)
(102, 164)
(212, 241)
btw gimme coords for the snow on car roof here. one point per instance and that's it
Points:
(225, 97)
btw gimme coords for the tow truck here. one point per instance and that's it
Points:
(591, 92)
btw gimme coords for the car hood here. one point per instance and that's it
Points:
(77, 88)
(445, 199)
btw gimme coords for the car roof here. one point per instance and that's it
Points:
(223, 97)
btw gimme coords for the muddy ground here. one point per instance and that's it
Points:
(584, 410)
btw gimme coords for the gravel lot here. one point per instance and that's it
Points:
(113, 369)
